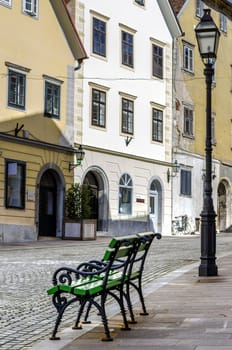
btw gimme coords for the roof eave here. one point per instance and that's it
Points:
(170, 18)
(222, 6)
(69, 30)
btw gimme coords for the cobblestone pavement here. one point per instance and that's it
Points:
(26, 312)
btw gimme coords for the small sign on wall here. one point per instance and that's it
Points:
(140, 199)
(30, 195)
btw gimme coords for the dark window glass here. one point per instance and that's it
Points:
(157, 61)
(188, 121)
(157, 125)
(99, 37)
(52, 100)
(188, 58)
(15, 184)
(16, 89)
(127, 49)
(98, 108)
(185, 186)
(127, 116)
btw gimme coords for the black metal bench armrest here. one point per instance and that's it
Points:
(67, 275)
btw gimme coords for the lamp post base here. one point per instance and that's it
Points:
(208, 267)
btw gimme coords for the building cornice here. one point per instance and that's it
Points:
(126, 155)
(36, 143)
(222, 6)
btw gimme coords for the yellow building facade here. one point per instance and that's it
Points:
(190, 114)
(40, 50)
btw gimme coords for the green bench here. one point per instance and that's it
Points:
(92, 282)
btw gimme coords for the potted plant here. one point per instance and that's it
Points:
(78, 222)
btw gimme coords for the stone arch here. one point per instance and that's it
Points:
(50, 192)
(155, 191)
(223, 205)
(98, 181)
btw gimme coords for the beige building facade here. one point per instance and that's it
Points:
(40, 49)
(190, 114)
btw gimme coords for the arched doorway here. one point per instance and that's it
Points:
(222, 207)
(47, 204)
(97, 181)
(50, 184)
(91, 180)
(155, 211)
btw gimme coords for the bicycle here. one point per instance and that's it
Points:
(181, 225)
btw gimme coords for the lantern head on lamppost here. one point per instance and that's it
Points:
(207, 35)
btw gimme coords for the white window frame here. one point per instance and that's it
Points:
(130, 98)
(223, 23)
(34, 7)
(54, 82)
(199, 8)
(188, 120)
(20, 91)
(105, 19)
(186, 182)
(7, 3)
(189, 67)
(129, 31)
(125, 195)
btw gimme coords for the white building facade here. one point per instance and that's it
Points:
(124, 112)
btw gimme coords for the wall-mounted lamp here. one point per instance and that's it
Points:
(174, 171)
(80, 154)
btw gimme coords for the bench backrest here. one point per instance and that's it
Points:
(142, 246)
(139, 246)
(119, 255)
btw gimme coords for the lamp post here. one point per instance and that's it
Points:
(207, 35)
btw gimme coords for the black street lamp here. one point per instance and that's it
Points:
(207, 35)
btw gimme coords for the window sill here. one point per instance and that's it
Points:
(52, 116)
(190, 137)
(185, 70)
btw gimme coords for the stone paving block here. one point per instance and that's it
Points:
(181, 304)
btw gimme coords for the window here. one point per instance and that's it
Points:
(188, 58)
(157, 125)
(52, 100)
(127, 116)
(127, 49)
(15, 184)
(125, 194)
(199, 8)
(140, 2)
(16, 89)
(185, 185)
(99, 37)
(5, 2)
(98, 108)
(30, 7)
(157, 61)
(223, 23)
(188, 122)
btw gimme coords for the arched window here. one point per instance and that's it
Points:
(125, 194)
